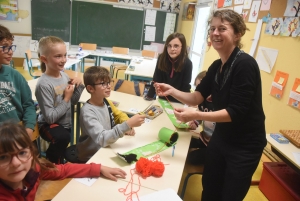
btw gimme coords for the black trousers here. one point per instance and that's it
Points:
(228, 170)
(59, 138)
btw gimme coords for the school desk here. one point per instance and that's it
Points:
(145, 134)
(102, 189)
(141, 68)
(285, 152)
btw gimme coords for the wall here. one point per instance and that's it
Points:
(278, 114)
(185, 27)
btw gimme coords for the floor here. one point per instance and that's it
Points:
(48, 189)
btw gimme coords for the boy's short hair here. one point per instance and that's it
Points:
(95, 73)
(200, 76)
(5, 33)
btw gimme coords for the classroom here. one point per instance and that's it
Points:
(127, 38)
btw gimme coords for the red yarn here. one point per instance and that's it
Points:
(147, 167)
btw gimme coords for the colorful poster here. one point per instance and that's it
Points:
(238, 2)
(220, 3)
(265, 5)
(294, 99)
(292, 8)
(274, 26)
(290, 25)
(278, 84)
(247, 4)
(254, 11)
(227, 3)
(9, 10)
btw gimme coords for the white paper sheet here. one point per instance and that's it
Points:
(266, 58)
(169, 25)
(256, 37)
(297, 156)
(86, 181)
(150, 33)
(150, 17)
(162, 195)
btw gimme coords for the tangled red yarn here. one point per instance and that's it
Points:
(147, 167)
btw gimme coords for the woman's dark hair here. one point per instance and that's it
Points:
(163, 60)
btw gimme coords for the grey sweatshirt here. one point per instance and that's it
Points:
(49, 93)
(96, 131)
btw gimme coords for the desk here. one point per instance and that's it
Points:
(285, 152)
(144, 70)
(145, 134)
(72, 63)
(102, 189)
(120, 58)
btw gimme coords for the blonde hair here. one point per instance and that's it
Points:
(44, 44)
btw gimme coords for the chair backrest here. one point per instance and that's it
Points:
(149, 53)
(120, 50)
(28, 60)
(88, 46)
(128, 87)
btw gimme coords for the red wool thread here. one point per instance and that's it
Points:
(144, 167)
(147, 167)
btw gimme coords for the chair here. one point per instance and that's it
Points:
(149, 54)
(88, 46)
(32, 73)
(12, 64)
(129, 87)
(190, 170)
(119, 50)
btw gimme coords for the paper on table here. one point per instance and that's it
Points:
(162, 195)
(86, 181)
(297, 157)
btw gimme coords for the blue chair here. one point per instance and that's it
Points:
(33, 73)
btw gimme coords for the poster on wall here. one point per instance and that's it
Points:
(189, 10)
(9, 10)
(278, 84)
(294, 99)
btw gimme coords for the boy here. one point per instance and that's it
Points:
(101, 122)
(15, 95)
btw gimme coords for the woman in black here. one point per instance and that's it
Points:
(173, 66)
(239, 138)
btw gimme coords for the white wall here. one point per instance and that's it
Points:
(23, 27)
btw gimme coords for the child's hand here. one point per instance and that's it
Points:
(75, 81)
(136, 120)
(163, 89)
(131, 132)
(192, 125)
(112, 173)
(68, 92)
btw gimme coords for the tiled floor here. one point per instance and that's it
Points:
(48, 189)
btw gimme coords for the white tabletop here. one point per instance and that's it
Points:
(286, 150)
(102, 189)
(143, 67)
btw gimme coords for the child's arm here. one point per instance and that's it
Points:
(70, 170)
(45, 97)
(95, 123)
(29, 113)
(79, 87)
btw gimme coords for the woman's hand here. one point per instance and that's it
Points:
(163, 89)
(185, 114)
(112, 173)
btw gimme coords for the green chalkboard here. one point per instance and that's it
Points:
(50, 17)
(160, 27)
(106, 25)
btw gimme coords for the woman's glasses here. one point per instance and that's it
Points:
(105, 84)
(23, 155)
(6, 49)
(175, 47)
